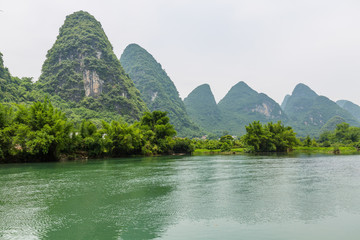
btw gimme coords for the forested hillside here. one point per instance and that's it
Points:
(309, 112)
(156, 88)
(202, 108)
(351, 107)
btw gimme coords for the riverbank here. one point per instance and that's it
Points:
(310, 150)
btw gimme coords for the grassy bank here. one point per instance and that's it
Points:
(314, 150)
(326, 150)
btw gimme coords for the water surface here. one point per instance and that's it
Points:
(195, 197)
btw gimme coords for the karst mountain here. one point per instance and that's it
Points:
(308, 112)
(156, 87)
(81, 67)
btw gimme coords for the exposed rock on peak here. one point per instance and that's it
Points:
(81, 64)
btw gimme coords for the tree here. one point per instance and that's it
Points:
(307, 141)
(122, 139)
(182, 145)
(6, 119)
(269, 138)
(40, 131)
(91, 138)
(158, 131)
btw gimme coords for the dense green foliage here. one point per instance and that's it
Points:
(224, 144)
(156, 88)
(309, 112)
(12, 89)
(331, 124)
(350, 107)
(82, 68)
(269, 137)
(40, 132)
(16, 90)
(202, 108)
(343, 134)
(33, 132)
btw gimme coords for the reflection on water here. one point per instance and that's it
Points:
(201, 197)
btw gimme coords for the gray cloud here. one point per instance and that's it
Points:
(271, 45)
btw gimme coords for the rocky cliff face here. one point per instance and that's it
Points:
(92, 83)
(81, 65)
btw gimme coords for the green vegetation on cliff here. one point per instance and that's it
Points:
(309, 112)
(243, 105)
(13, 89)
(156, 88)
(331, 124)
(202, 108)
(81, 68)
(350, 107)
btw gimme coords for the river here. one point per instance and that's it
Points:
(183, 197)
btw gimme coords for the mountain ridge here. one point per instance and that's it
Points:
(309, 112)
(202, 108)
(157, 89)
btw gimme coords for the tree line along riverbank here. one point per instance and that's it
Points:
(40, 132)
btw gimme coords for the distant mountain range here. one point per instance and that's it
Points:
(241, 106)
(304, 110)
(350, 107)
(82, 76)
(308, 112)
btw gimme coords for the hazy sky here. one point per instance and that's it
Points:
(270, 44)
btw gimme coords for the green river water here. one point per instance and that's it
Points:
(183, 197)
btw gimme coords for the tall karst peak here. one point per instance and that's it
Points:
(242, 88)
(302, 90)
(82, 64)
(156, 88)
(203, 93)
(202, 108)
(243, 99)
(243, 105)
(309, 112)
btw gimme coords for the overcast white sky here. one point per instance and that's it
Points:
(270, 44)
